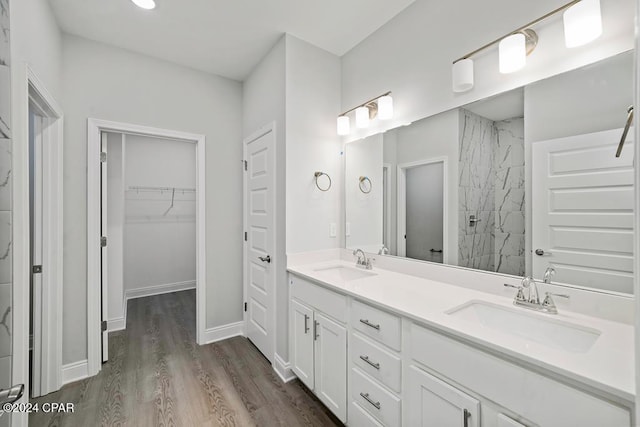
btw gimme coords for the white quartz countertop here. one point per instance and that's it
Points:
(608, 365)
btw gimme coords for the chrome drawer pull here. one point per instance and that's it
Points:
(371, 325)
(366, 397)
(465, 418)
(366, 359)
(306, 323)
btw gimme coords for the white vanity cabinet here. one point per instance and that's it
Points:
(318, 343)
(400, 372)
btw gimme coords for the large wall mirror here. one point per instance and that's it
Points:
(513, 184)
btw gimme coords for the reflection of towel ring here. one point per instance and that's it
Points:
(318, 175)
(361, 184)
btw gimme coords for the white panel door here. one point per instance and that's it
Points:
(302, 342)
(434, 403)
(36, 253)
(260, 245)
(331, 364)
(582, 213)
(104, 251)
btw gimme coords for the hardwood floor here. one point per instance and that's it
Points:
(158, 376)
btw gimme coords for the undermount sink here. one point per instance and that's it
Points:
(549, 332)
(344, 273)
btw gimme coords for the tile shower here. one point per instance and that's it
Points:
(491, 189)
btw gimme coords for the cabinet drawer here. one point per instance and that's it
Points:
(378, 363)
(523, 391)
(381, 404)
(380, 325)
(320, 298)
(358, 417)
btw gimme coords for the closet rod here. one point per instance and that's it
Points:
(162, 189)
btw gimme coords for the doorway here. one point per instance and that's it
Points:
(422, 206)
(164, 199)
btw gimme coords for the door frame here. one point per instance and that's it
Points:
(387, 212)
(27, 89)
(402, 204)
(94, 297)
(275, 262)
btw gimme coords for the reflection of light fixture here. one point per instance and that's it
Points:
(582, 23)
(380, 107)
(385, 107)
(344, 127)
(145, 4)
(362, 117)
(463, 75)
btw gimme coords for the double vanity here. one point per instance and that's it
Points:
(380, 347)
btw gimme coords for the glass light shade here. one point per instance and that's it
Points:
(582, 23)
(362, 117)
(463, 75)
(344, 127)
(145, 4)
(513, 53)
(385, 107)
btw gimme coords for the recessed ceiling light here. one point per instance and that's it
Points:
(145, 4)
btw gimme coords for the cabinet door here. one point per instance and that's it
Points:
(302, 342)
(434, 403)
(331, 365)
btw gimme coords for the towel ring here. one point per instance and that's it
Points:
(362, 186)
(318, 175)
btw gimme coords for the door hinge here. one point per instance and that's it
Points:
(245, 306)
(103, 156)
(103, 325)
(245, 236)
(245, 165)
(36, 269)
(103, 241)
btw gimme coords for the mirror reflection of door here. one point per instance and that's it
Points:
(424, 212)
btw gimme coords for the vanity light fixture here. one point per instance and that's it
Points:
(582, 24)
(145, 4)
(381, 107)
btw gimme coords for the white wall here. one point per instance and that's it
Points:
(364, 214)
(115, 227)
(113, 84)
(159, 243)
(313, 103)
(263, 103)
(412, 54)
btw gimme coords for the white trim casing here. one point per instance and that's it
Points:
(25, 84)
(94, 128)
(118, 324)
(401, 218)
(283, 369)
(75, 371)
(220, 333)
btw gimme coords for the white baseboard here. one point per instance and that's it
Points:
(283, 369)
(118, 324)
(75, 371)
(147, 291)
(223, 332)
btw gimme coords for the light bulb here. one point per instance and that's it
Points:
(385, 107)
(145, 4)
(362, 117)
(582, 23)
(463, 75)
(513, 53)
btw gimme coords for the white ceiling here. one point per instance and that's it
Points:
(224, 37)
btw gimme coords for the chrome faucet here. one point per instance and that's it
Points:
(532, 300)
(363, 261)
(383, 250)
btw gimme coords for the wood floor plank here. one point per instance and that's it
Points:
(158, 376)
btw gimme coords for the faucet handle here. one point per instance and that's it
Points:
(548, 305)
(520, 294)
(548, 294)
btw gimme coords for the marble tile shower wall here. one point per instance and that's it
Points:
(509, 194)
(476, 192)
(5, 205)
